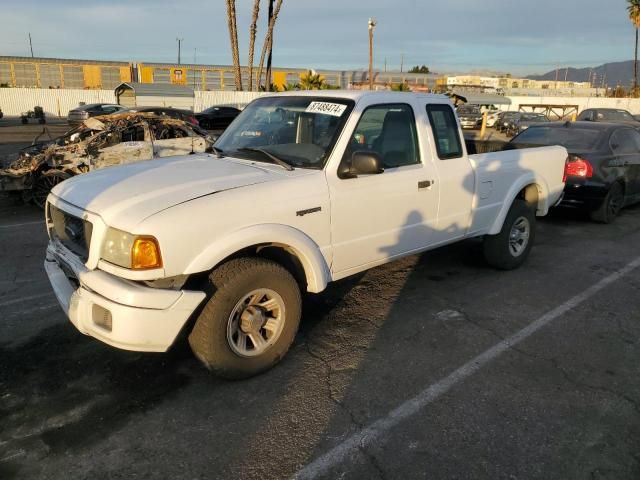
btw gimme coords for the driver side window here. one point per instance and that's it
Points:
(390, 131)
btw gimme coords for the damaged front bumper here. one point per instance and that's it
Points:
(121, 313)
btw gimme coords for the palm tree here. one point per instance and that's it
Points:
(268, 40)
(253, 29)
(400, 87)
(233, 36)
(311, 81)
(633, 8)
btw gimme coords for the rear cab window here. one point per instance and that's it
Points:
(445, 131)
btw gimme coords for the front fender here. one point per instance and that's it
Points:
(525, 180)
(308, 252)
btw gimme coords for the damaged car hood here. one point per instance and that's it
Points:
(124, 196)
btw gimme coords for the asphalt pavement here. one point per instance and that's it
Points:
(434, 366)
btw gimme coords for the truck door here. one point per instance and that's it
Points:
(380, 216)
(456, 176)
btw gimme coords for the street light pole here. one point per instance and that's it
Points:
(372, 26)
(179, 40)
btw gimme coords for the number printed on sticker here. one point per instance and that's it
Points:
(327, 108)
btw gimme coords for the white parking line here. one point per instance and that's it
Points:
(373, 432)
(39, 222)
(25, 299)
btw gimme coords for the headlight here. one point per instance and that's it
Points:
(138, 252)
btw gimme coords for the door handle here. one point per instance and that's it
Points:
(425, 183)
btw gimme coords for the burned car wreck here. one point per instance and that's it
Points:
(99, 142)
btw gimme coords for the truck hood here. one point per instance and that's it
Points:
(124, 196)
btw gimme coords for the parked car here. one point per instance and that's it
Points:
(504, 121)
(470, 116)
(217, 117)
(523, 120)
(81, 113)
(610, 115)
(492, 117)
(603, 169)
(184, 115)
(98, 143)
(308, 188)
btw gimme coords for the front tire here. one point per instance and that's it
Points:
(611, 205)
(511, 246)
(251, 319)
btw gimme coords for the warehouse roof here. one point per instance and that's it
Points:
(472, 98)
(155, 89)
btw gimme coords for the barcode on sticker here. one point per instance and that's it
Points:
(327, 108)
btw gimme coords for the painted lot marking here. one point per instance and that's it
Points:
(39, 222)
(411, 407)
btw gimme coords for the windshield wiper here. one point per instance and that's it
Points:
(275, 159)
(219, 153)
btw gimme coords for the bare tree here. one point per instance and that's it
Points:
(233, 36)
(268, 38)
(253, 29)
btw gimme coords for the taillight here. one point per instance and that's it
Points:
(193, 121)
(578, 167)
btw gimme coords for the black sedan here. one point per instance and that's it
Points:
(603, 168)
(523, 120)
(217, 117)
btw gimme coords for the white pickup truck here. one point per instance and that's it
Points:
(303, 189)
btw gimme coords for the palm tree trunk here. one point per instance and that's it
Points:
(267, 41)
(635, 67)
(233, 35)
(252, 39)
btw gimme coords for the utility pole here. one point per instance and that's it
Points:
(270, 15)
(179, 40)
(566, 74)
(401, 62)
(30, 45)
(385, 64)
(557, 67)
(372, 26)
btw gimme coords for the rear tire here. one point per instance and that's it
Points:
(251, 319)
(611, 205)
(510, 248)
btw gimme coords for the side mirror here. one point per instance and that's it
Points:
(365, 163)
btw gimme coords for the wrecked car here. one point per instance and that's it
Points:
(97, 143)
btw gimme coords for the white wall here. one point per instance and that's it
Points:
(58, 102)
(631, 104)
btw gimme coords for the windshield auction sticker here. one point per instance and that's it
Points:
(335, 109)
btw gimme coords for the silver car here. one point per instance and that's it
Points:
(81, 113)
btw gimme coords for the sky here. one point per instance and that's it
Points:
(520, 37)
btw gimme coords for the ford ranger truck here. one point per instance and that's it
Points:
(304, 188)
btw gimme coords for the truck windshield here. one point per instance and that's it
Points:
(300, 131)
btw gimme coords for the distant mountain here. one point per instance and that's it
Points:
(617, 73)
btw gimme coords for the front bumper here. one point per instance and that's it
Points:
(121, 313)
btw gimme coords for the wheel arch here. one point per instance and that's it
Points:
(529, 188)
(285, 245)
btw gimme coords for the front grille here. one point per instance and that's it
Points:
(73, 232)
